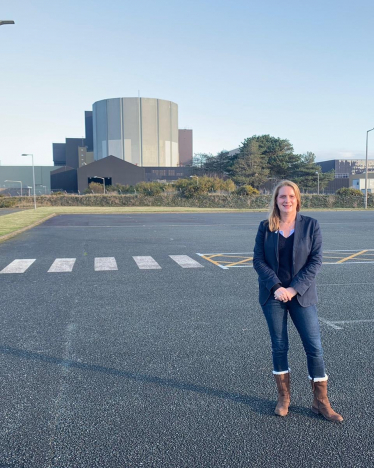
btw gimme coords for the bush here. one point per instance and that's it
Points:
(149, 188)
(196, 186)
(8, 202)
(246, 190)
(349, 192)
(94, 187)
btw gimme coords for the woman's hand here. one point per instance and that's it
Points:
(281, 294)
(284, 294)
(291, 292)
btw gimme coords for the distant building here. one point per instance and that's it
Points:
(185, 147)
(24, 174)
(357, 181)
(345, 167)
(142, 132)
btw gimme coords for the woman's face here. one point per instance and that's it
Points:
(286, 200)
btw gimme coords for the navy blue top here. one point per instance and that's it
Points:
(285, 246)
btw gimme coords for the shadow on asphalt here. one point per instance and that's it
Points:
(258, 405)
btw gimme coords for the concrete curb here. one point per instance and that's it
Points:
(19, 231)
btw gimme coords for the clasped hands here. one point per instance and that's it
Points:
(284, 294)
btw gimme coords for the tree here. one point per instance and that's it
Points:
(199, 159)
(250, 167)
(304, 173)
(277, 153)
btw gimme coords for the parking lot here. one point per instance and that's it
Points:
(137, 341)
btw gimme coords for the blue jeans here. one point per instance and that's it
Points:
(305, 320)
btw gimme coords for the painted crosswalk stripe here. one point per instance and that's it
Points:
(18, 266)
(62, 265)
(146, 263)
(105, 264)
(185, 261)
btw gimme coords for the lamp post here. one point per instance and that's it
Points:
(33, 175)
(2, 22)
(366, 172)
(103, 179)
(317, 182)
(18, 181)
(195, 177)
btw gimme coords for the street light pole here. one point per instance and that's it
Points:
(103, 179)
(195, 177)
(366, 172)
(18, 181)
(33, 175)
(317, 182)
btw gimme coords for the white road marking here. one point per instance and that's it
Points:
(62, 265)
(105, 264)
(335, 323)
(146, 263)
(185, 261)
(342, 322)
(18, 266)
(330, 324)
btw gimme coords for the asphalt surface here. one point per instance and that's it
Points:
(172, 367)
(5, 211)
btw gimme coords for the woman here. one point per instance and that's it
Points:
(287, 258)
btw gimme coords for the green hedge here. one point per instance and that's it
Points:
(175, 200)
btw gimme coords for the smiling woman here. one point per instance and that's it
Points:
(287, 258)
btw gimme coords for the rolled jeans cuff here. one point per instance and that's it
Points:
(281, 372)
(319, 379)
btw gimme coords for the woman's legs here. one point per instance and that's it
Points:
(276, 316)
(306, 322)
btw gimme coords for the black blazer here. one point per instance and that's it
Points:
(306, 259)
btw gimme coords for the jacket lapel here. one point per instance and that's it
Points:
(296, 238)
(275, 236)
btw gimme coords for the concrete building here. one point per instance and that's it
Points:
(345, 167)
(112, 169)
(185, 144)
(141, 131)
(24, 175)
(357, 181)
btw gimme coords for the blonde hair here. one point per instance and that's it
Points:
(274, 213)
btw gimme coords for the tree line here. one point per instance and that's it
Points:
(262, 158)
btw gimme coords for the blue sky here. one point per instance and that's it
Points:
(296, 70)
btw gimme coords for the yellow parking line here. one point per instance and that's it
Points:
(215, 255)
(210, 260)
(352, 256)
(242, 261)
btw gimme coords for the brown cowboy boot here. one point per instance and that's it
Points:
(284, 397)
(321, 404)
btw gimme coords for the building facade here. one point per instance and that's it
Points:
(346, 167)
(23, 174)
(185, 147)
(141, 131)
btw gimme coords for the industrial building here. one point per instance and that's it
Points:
(13, 178)
(141, 132)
